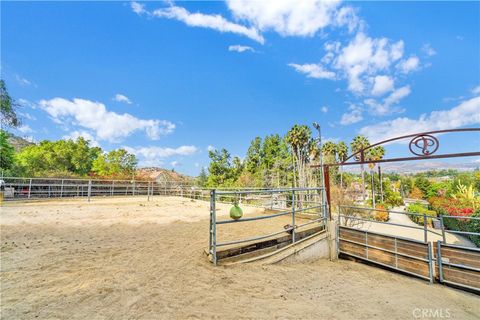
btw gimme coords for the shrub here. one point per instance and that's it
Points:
(381, 216)
(420, 209)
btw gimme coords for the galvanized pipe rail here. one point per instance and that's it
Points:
(236, 194)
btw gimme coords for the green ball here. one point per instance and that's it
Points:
(236, 212)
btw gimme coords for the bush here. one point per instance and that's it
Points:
(420, 209)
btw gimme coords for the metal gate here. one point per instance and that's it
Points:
(406, 255)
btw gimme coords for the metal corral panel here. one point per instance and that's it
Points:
(405, 255)
(458, 265)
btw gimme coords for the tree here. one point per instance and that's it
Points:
(358, 144)
(220, 169)
(8, 107)
(329, 150)
(300, 141)
(342, 152)
(254, 155)
(202, 178)
(7, 153)
(115, 163)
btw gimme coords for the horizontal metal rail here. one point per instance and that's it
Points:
(386, 265)
(284, 213)
(385, 235)
(240, 192)
(464, 232)
(382, 210)
(386, 250)
(219, 244)
(462, 217)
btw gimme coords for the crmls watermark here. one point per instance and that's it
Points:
(431, 313)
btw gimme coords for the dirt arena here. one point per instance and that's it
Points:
(126, 258)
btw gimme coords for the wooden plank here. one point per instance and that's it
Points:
(352, 248)
(414, 266)
(381, 242)
(381, 256)
(461, 256)
(462, 276)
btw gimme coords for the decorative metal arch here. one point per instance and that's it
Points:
(423, 145)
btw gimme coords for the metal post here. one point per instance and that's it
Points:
(425, 228)
(293, 216)
(213, 226)
(61, 190)
(381, 184)
(112, 187)
(326, 180)
(439, 261)
(443, 229)
(89, 189)
(373, 190)
(430, 262)
(30, 188)
(148, 191)
(133, 189)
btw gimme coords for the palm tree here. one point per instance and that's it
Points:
(329, 149)
(342, 153)
(358, 144)
(299, 139)
(374, 154)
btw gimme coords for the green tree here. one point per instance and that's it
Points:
(342, 152)
(254, 156)
(202, 178)
(358, 144)
(8, 108)
(7, 153)
(220, 169)
(300, 140)
(115, 163)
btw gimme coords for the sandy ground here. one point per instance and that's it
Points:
(132, 259)
(417, 234)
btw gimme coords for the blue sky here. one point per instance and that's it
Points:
(168, 80)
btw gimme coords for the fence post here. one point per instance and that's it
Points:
(133, 189)
(293, 216)
(61, 190)
(89, 189)
(443, 228)
(148, 191)
(430, 262)
(439, 261)
(425, 228)
(213, 227)
(29, 188)
(113, 187)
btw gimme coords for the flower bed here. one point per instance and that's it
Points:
(460, 212)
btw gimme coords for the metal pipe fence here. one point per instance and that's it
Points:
(43, 188)
(287, 202)
(355, 214)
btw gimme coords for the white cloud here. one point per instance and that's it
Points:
(25, 129)
(138, 8)
(211, 21)
(313, 71)
(22, 81)
(107, 125)
(240, 48)
(324, 109)
(290, 18)
(154, 152)
(428, 50)
(211, 148)
(365, 56)
(387, 107)
(409, 65)
(353, 116)
(122, 98)
(476, 90)
(382, 85)
(466, 113)
(84, 134)
(175, 163)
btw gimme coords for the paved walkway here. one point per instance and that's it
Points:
(417, 234)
